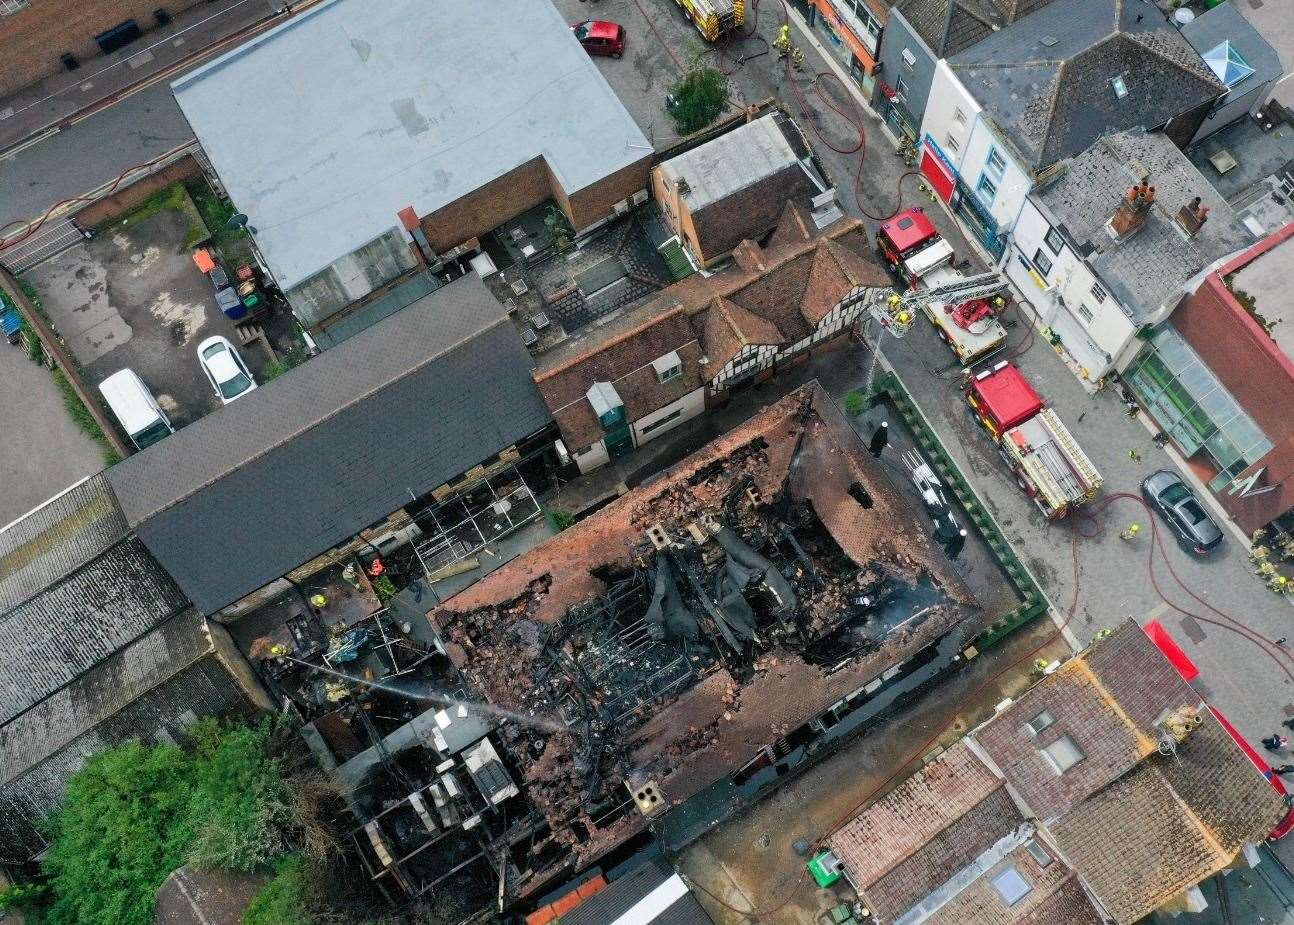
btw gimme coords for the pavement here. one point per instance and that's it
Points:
(42, 451)
(135, 299)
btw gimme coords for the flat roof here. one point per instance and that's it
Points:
(1266, 280)
(732, 162)
(323, 128)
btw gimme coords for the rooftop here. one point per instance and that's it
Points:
(671, 665)
(362, 111)
(1234, 50)
(1265, 279)
(1152, 266)
(308, 460)
(1049, 80)
(950, 26)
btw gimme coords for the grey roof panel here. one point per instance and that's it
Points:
(243, 496)
(1046, 80)
(362, 109)
(1226, 23)
(621, 894)
(733, 161)
(1149, 267)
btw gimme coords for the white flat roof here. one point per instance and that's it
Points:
(732, 162)
(323, 128)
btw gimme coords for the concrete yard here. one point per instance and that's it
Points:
(134, 298)
(41, 450)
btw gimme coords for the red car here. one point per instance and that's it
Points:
(600, 37)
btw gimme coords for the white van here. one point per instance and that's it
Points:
(135, 407)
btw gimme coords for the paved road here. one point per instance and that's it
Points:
(91, 153)
(41, 450)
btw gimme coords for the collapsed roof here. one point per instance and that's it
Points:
(666, 631)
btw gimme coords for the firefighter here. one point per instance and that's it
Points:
(954, 547)
(1131, 533)
(783, 41)
(880, 437)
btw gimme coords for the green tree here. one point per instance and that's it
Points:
(282, 901)
(698, 98)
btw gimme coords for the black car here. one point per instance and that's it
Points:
(1168, 494)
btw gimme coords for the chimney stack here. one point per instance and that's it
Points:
(1131, 213)
(1192, 216)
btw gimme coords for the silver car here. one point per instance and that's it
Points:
(1176, 503)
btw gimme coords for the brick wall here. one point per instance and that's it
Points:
(31, 40)
(126, 199)
(594, 203)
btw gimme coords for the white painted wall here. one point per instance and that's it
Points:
(591, 458)
(689, 406)
(1095, 333)
(958, 125)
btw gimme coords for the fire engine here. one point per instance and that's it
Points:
(713, 18)
(1033, 441)
(963, 309)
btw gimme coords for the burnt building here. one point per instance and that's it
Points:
(669, 659)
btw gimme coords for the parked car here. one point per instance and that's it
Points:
(600, 37)
(135, 407)
(225, 369)
(1176, 503)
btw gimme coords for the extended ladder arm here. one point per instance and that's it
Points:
(980, 286)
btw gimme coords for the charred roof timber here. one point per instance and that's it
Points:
(699, 637)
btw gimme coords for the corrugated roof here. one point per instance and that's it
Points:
(619, 896)
(362, 109)
(248, 493)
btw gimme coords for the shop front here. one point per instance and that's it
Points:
(852, 32)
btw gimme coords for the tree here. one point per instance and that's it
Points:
(698, 98)
(137, 812)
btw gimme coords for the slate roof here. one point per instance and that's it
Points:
(1153, 265)
(244, 495)
(54, 637)
(1046, 81)
(363, 110)
(950, 26)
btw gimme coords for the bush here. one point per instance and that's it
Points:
(698, 98)
(558, 519)
(854, 403)
(282, 901)
(290, 359)
(137, 812)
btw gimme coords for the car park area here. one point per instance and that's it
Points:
(133, 298)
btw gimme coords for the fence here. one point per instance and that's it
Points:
(887, 386)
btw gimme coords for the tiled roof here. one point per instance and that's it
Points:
(1153, 265)
(1046, 80)
(891, 830)
(625, 362)
(729, 328)
(949, 26)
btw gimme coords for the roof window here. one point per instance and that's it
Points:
(1062, 754)
(1120, 87)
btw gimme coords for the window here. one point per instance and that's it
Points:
(951, 143)
(1042, 262)
(901, 88)
(909, 59)
(1120, 88)
(1055, 241)
(958, 116)
(1098, 293)
(1038, 853)
(987, 189)
(1011, 886)
(1063, 754)
(1039, 723)
(668, 367)
(656, 425)
(996, 163)
(1085, 313)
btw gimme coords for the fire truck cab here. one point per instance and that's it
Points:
(963, 309)
(1046, 460)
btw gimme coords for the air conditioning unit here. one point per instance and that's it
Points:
(638, 198)
(622, 207)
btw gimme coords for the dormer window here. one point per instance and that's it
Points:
(668, 368)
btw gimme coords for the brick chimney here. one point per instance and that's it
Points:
(1131, 213)
(1192, 216)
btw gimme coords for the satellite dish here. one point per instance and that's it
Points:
(239, 220)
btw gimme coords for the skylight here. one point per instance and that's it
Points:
(1120, 88)
(1228, 64)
